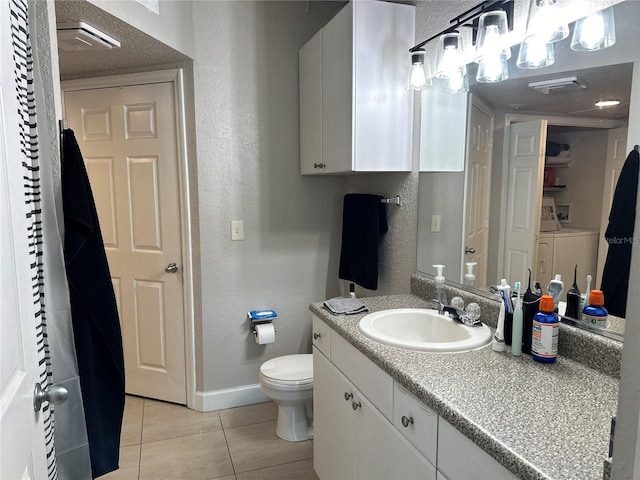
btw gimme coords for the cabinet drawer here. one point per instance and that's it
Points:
(478, 464)
(373, 382)
(321, 335)
(421, 422)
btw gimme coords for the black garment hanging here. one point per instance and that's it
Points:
(619, 236)
(94, 314)
(364, 221)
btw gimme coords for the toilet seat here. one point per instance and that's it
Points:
(288, 370)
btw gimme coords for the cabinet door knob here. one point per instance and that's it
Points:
(355, 405)
(406, 421)
(318, 165)
(470, 250)
(347, 396)
(316, 336)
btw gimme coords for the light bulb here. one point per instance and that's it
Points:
(592, 32)
(542, 21)
(418, 77)
(457, 82)
(535, 52)
(420, 74)
(595, 32)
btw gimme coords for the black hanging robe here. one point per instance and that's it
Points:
(619, 235)
(96, 327)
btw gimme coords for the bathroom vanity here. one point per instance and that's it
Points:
(385, 412)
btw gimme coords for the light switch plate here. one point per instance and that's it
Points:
(435, 223)
(237, 230)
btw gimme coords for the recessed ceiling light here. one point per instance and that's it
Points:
(607, 103)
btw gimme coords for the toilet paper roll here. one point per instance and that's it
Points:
(265, 333)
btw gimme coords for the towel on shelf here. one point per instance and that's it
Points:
(364, 222)
(344, 306)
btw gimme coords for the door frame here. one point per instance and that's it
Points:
(176, 77)
(555, 120)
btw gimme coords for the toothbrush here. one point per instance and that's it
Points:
(589, 278)
(516, 340)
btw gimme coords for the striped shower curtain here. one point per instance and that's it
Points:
(67, 446)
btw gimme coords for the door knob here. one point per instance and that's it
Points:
(55, 395)
(470, 250)
(171, 268)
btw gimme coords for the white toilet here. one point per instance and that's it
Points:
(288, 381)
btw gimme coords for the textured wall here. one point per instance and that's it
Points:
(246, 111)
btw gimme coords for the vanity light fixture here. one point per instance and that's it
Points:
(492, 49)
(594, 32)
(450, 64)
(543, 30)
(483, 20)
(607, 103)
(420, 73)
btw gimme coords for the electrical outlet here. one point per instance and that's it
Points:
(237, 230)
(435, 223)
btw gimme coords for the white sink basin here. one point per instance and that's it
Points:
(423, 330)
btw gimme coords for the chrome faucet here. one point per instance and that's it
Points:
(469, 317)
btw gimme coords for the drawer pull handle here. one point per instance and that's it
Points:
(347, 396)
(406, 421)
(316, 336)
(355, 405)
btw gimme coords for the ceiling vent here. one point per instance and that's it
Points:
(558, 85)
(82, 36)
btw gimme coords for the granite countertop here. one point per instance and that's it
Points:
(541, 421)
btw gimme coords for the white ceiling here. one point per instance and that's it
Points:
(138, 51)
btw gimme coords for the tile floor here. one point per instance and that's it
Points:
(165, 441)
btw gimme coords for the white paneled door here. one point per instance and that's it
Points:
(127, 136)
(478, 192)
(527, 143)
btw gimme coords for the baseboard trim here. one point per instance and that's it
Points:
(229, 398)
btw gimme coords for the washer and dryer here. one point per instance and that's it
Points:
(559, 252)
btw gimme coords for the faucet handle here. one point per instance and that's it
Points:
(457, 302)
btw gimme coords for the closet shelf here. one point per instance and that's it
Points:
(557, 188)
(557, 162)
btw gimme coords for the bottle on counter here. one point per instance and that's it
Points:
(595, 313)
(546, 327)
(555, 288)
(469, 277)
(439, 280)
(573, 298)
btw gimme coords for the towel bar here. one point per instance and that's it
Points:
(395, 200)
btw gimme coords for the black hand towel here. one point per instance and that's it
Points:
(364, 222)
(619, 235)
(94, 314)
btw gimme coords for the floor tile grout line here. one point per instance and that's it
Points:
(233, 467)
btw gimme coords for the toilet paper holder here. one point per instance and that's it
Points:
(258, 317)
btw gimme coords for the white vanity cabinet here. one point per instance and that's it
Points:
(461, 459)
(355, 114)
(368, 426)
(352, 439)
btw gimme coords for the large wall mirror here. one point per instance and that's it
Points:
(464, 216)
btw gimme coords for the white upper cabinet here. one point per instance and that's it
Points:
(355, 113)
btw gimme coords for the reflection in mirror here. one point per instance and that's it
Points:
(468, 216)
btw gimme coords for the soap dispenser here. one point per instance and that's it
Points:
(469, 277)
(441, 296)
